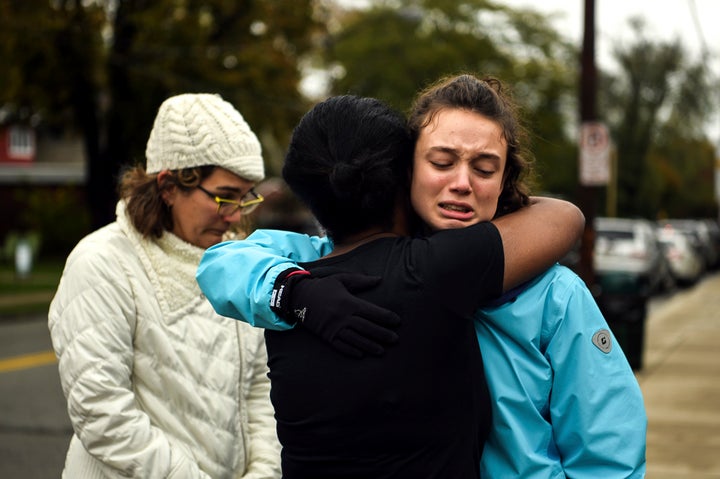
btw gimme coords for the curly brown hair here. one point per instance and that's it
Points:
(491, 99)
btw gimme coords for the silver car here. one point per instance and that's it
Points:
(629, 248)
(685, 261)
(700, 235)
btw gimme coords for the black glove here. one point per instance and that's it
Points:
(327, 307)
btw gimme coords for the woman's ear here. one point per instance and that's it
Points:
(167, 188)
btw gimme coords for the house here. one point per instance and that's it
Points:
(29, 158)
(37, 169)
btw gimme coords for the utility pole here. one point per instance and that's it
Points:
(588, 92)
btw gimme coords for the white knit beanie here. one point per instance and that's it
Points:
(198, 129)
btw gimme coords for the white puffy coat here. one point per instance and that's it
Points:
(158, 385)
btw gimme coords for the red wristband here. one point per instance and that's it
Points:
(299, 271)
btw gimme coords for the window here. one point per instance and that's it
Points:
(21, 144)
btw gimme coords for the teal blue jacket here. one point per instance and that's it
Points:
(565, 401)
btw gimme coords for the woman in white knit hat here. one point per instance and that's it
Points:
(157, 384)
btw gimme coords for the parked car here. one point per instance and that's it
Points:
(686, 264)
(714, 231)
(629, 268)
(701, 238)
(627, 250)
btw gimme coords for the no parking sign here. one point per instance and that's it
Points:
(594, 154)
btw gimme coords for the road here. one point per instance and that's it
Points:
(34, 428)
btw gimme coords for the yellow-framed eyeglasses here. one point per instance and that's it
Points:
(228, 207)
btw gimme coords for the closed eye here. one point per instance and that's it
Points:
(485, 172)
(441, 164)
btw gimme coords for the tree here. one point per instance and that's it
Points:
(103, 68)
(45, 51)
(394, 48)
(656, 106)
(685, 170)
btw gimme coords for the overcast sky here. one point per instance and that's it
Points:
(694, 22)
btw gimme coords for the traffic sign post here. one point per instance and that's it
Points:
(594, 154)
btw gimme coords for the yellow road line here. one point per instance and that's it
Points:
(27, 361)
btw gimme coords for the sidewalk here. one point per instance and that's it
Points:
(680, 381)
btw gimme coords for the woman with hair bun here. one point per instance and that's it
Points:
(421, 409)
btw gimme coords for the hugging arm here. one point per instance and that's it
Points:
(537, 236)
(257, 281)
(238, 277)
(241, 278)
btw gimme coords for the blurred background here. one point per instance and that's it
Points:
(623, 103)
(82, 80)
(622, 98)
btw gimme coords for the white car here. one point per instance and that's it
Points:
(629, 248)
(686, 264)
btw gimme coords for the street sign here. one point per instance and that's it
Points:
(594, 154)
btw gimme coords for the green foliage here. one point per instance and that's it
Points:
(31, 294)
(41, 47)
(103, 68)
(56, 216)
(394, 49)
(248, 52)
(656, 106)
(685, 170)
